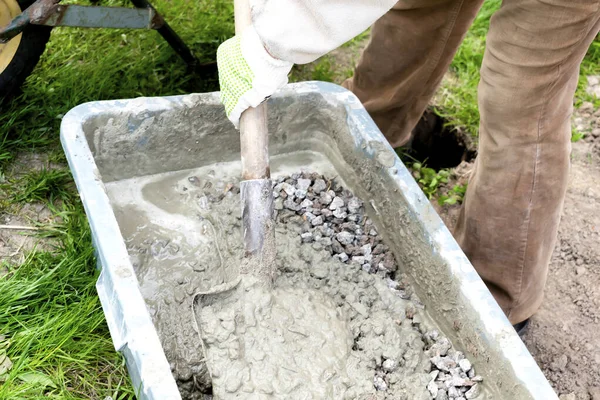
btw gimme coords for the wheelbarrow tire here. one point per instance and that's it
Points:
(32, 45)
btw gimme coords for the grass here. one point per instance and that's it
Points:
(576, 136)
(57, 338)
(46, 184)
(83, 65)
(434, 183)
(589, 66)
(51, 325)
(51, 321)
(455, 195)
(429, 179)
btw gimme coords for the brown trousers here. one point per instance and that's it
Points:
(509, 221)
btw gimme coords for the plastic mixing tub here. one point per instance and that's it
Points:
(157, 135)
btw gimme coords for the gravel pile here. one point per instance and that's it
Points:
(452, 375)
(335, 220)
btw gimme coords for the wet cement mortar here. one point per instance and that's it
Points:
(341, 321)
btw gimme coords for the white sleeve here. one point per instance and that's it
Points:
(300, 31)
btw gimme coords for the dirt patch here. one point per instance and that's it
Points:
(594, 85)
(586, 121)
(28, 162)
(563, 335)
(19, 232)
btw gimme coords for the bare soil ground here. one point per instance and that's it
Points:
(563, 335)
(18, 232)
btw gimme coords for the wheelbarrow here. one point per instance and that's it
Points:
(25, 27)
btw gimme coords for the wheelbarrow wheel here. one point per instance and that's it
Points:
(20, 55)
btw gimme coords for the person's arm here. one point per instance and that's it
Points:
(254, 64)
(300, 31)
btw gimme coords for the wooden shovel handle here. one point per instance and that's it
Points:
(254, 136)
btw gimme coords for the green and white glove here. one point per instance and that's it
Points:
(248, 74)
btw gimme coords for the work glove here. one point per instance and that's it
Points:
(248, 74)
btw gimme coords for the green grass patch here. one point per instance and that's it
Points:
(589, 66)
(46, 184)
(53, 328)
(458, 97)
(576, 136)
(429, 179)
(82, 65)
(359, 40)
(455, 195)
(323, 70)
(55, 335)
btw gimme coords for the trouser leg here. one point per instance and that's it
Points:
(509, 221)
(409, 52)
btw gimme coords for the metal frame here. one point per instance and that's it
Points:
(130, 324)
(144, 16)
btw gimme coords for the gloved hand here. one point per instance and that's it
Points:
(248, 74)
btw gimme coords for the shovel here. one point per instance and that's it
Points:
(256, 190)
(257, 268)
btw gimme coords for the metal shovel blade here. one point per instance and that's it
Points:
(258, 228)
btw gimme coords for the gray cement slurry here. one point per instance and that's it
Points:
(332, 327)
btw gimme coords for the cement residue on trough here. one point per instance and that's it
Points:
(342, 322)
